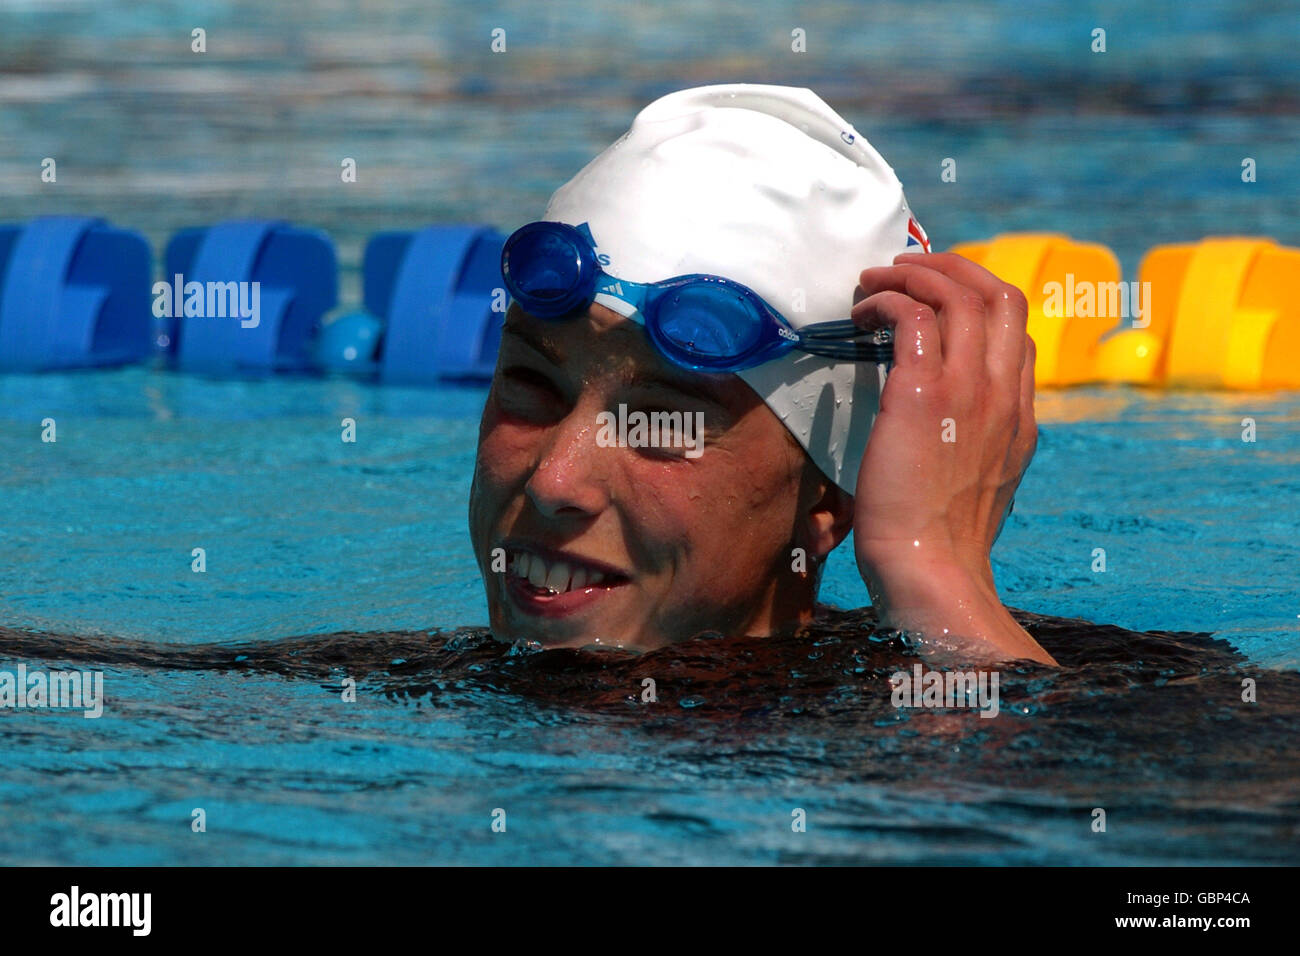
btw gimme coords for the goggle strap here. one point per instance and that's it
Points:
(843, 329)
(850, 351)
(623, 308)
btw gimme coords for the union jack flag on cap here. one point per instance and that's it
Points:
(916, 235)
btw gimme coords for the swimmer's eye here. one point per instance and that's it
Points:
(676, 433)
(529, 394)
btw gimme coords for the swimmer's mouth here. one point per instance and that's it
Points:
(556, 573)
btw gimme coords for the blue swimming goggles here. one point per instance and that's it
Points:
(701, 322)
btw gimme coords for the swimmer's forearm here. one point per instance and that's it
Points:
(951, 608)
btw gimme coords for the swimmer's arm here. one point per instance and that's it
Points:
(953, 437)
(951, 611)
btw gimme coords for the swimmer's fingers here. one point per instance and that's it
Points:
(917, 346)
(961, 310)
(1027, 433)
(1008, 311)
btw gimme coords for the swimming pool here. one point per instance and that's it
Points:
(306, 535)
(212, 700)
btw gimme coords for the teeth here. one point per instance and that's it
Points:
(558, 577)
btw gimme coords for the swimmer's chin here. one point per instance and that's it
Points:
(531, 641)
(576, 632)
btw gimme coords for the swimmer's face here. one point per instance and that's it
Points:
(645, 545)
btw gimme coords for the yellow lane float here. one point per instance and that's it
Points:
(1052, 270)
(1219, 313)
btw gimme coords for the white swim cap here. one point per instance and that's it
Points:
(770, 187)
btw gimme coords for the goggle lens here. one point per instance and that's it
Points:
(543, 269)
(705, 324)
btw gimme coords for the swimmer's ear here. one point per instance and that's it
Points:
(827, 511)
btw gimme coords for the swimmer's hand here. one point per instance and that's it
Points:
(955, 433)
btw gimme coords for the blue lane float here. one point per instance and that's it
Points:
(73, 294)
(249, 297)
(438, 292)
(349, 344)
(246, 296)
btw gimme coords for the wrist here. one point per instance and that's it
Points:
(948, 604)
(925, 559)
(918, 594)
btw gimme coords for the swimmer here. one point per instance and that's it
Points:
(694, 273)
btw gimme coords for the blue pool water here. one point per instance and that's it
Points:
(307, 535)
(223, 688)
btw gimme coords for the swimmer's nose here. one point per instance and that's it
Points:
(570, 479)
